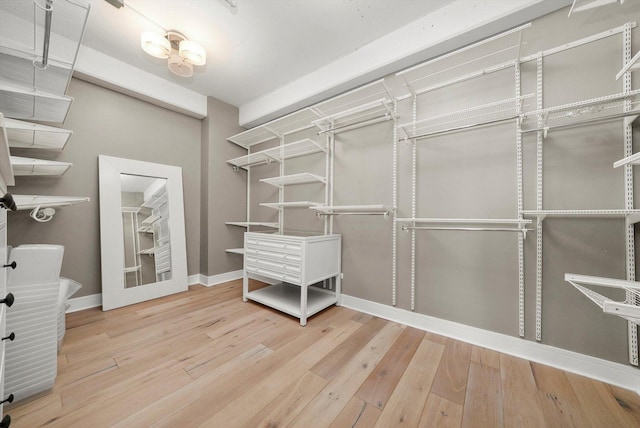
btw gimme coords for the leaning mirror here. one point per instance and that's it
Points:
(142, 234)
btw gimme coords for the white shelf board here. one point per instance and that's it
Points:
(583, 112)
(294, 204)
(602, 281)
(464, 220)
(235, 250)
(289, 124)
(288, 180)
(631, 214)
(630, 160)
(151, 219)
(583, 5)
(19, 102)
(252, 223)
(132, 269)
(371, 112)
(467, 118)
(354, 209)
(28, 166)
(35, 136)
(29, 202)
(466, 63)
(286, 298)
(291, 150)
(148, 251)
(6, 170)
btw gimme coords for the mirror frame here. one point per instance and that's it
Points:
(114, 293)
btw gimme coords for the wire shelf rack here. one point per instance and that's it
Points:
(627, 309)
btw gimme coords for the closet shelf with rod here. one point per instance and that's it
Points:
(466, 63)
(288, 180)
(35, 136)
(633, 216)
(28, 202)
(583, 5)
(580, 113)
(466, 224)
(627, 309)
(363, 106)
(252, 223)
(383, 210)
(495, 112)
(28, 166)
(293, 204)
(277, 154)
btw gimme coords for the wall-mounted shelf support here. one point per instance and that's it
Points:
(582, 5)
(626, 309)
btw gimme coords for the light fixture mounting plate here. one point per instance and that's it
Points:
(175, 38)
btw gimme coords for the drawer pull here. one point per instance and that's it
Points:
(11, 337)
(9, 399)
(8, 300)
(6, 422)
(12, 265)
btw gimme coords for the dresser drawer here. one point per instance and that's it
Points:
(272, 273)
(274, 244)
(283, 267)
(257, 252)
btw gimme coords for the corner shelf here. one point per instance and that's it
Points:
(467, 118)
(6, 170)
(277, 154)
(288, 180)
(296, 204)
(383, 210)
(27, 166)
(624, 309)
(252, 223)
(35, 136)
(289, 124)
(466, 63)
(582, 5)
(28, 202)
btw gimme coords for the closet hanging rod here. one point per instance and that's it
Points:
(357, 125)
(473, 229)
(384, 214)
(48, 9)
(586, 122)
(461, 128)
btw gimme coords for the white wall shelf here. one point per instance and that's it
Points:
(293, 204)
(235, 250)
(28, 202)
(583, 5)
(28, 166)
(383, 210)
(625, 309)
(286, 298)
(542, 214)
(6, 170)
(277, 154)
(151, 219)
(594, 110)
(464, 119)
(281, 127)
(21, 102)
(629, 160)
(466, 63)
(252, 223)
(288, 180)
(35, 136)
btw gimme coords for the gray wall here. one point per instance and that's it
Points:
(472, 277)
(223, 191)
(108, 123)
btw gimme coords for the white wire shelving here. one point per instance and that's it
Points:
(6, 170)
(289, 180)
(277, 154)
(629, 160)
(153, 218)
(466, 63)
(595, 110)
(366, 105)
(632, 65)
(28, 167)
(35, 136)
(383, 210)
(632, 215)
(473, 117)
(627, 309)
(252, 223)
(38, 51)
(584, 5)
(292, 204)
(28, 202)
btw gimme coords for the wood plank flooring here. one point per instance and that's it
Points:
(204, 358)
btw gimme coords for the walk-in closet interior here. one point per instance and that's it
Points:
(458, 173)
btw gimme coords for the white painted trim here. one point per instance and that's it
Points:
(605, 371)
(196, 279)
(102, 70)
(84, 302)
(212, 280)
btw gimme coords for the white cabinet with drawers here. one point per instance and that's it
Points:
(295, 262)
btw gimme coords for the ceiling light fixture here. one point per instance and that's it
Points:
(181, 52)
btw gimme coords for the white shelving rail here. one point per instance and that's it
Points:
(584, 5)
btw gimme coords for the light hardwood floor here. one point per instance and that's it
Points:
(205, 358)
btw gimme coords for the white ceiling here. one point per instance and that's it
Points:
(255, 49)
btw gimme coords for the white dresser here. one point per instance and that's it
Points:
(295, 262)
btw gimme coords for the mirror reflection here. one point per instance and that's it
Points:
(145, 221)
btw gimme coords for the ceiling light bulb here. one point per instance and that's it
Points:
(192, 52)
(180, 67)
(156, 45)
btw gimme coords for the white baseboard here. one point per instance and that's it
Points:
(212, 280)
(84, 302)
(606, 371)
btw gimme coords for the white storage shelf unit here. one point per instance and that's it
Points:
(28, 166)
(35, 136)
(296, 262)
